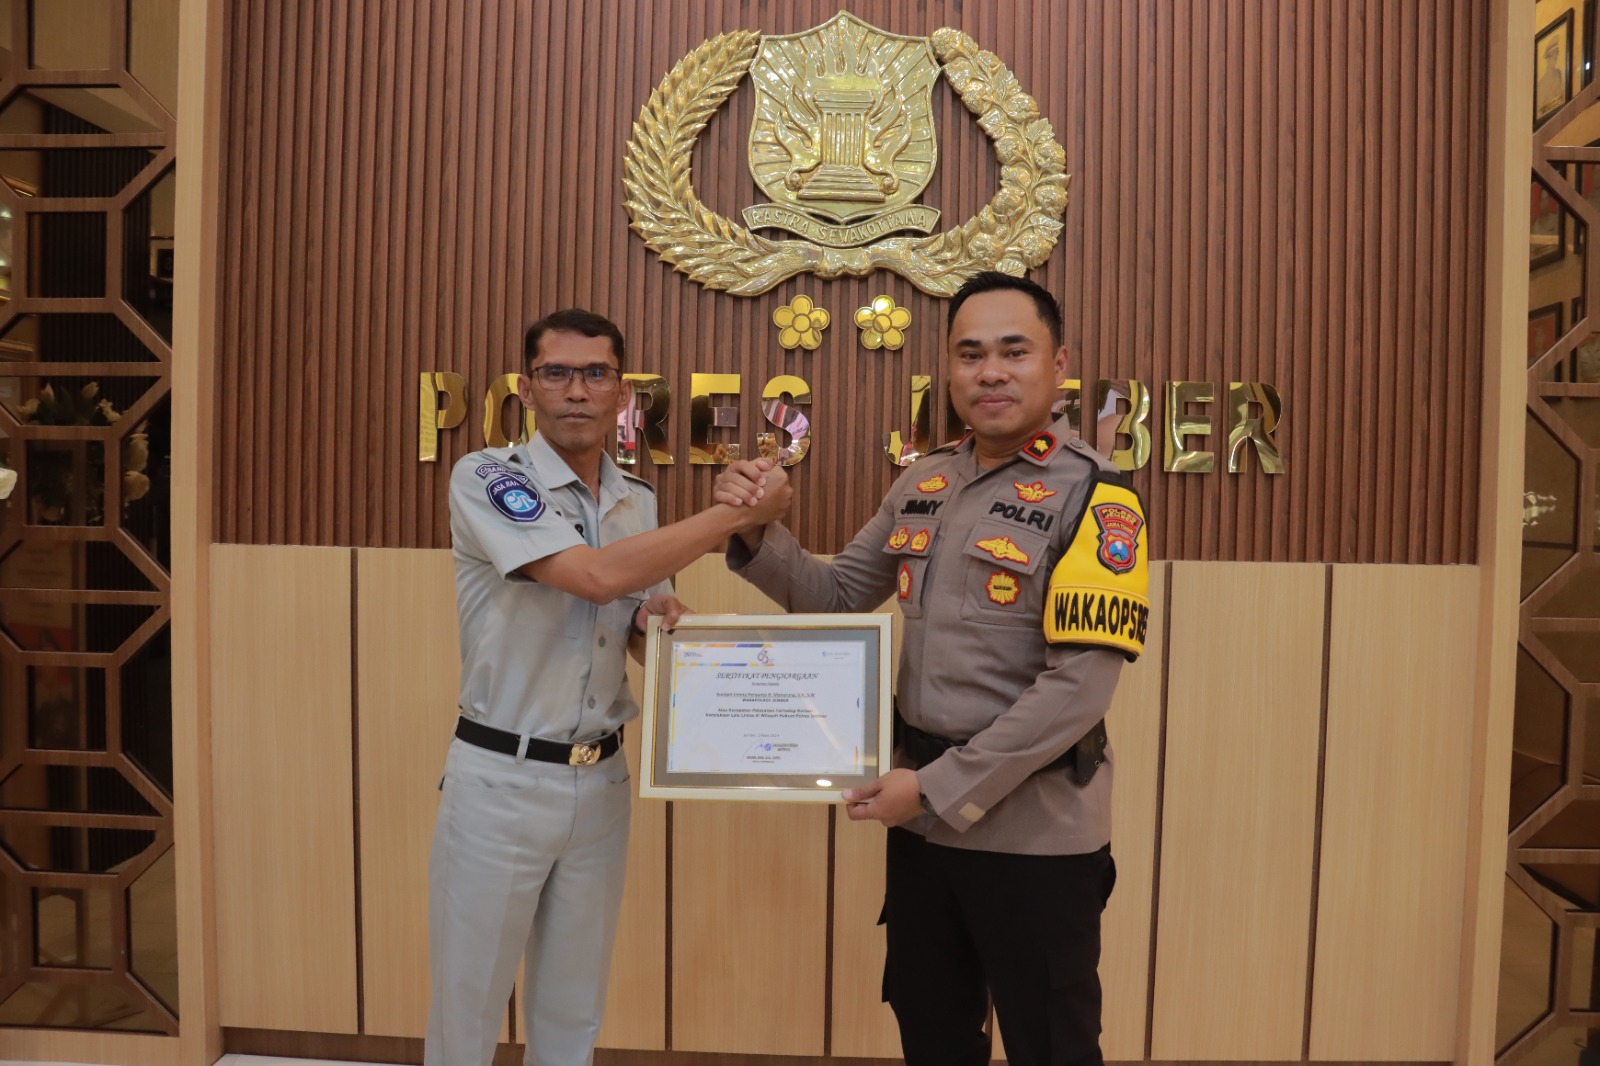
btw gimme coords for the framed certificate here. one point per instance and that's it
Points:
(765, 707)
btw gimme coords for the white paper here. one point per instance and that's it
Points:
(786, 707)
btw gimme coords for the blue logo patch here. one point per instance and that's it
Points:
(515, 498)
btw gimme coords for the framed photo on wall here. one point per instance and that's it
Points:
(1544, 329)
(1552, 68)
(1586, 35)
(1547, 227)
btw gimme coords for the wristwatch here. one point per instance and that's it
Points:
(633, 623)
(927, 805)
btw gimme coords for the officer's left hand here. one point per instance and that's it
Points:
(893, 799)
(670, 608)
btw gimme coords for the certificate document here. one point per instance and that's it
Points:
(778, 707)
(793, 708)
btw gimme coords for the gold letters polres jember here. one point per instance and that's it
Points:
(843, 143)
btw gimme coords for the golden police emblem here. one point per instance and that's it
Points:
(843, 144)
(843, 133)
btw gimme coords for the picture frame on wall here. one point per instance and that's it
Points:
(1552, 68)
(1582, 367)
(1547, 227)
(1544, 329)
(1586, 70)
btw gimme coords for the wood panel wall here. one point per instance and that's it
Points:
(1290, 193)
(1286, 856)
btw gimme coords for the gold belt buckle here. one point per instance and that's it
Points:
(584, 755)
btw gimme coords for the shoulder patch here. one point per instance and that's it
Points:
(515, 497)
(1100, 590)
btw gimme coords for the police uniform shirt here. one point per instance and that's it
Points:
(535, 660)
(978, 562)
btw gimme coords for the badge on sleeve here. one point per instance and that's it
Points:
(1120, 526)
(1100, 590)
(514, 497)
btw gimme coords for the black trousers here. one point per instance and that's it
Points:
(965, 926)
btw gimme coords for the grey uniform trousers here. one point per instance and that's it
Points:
(527, 857)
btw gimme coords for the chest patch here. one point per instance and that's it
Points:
(1004, 548)
(1002, 588)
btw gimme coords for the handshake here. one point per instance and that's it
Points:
(760, 489)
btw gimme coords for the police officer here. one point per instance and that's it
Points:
(558, 563)
(1018, 561)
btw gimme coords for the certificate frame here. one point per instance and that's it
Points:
(659, 779)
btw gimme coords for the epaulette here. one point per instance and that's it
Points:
(1107, 469)
(637, 480)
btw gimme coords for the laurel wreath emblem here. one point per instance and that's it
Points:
(1015, 231)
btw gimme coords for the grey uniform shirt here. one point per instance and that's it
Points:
(968, 553)
(535, 660)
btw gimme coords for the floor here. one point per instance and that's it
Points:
(226, 1060)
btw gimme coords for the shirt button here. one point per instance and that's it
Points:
(591, 702)
(602, 640)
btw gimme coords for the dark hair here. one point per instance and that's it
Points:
(571, 320)
(994, 281)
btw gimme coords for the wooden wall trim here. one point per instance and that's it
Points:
(194, 343)
(1246, 696)
(1298, 201)
(1510, 92)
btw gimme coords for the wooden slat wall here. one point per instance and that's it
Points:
(1280, 192)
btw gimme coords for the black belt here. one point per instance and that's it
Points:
(506, 743)
(1081, 760)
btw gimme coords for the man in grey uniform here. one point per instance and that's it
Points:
(1018, 559)
(558, 562)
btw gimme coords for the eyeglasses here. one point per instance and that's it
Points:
(597, 378)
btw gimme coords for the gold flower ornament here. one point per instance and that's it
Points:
(800, 324)
(882, 324)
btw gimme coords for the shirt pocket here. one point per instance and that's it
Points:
(912, 542)
(1002, 584)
